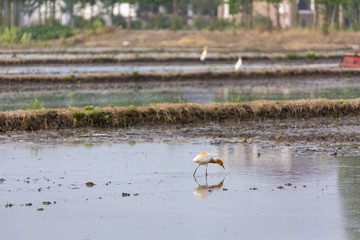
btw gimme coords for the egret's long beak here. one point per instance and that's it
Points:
(223, 167)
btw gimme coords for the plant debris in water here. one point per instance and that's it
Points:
(126, 194)
(90, 184)
(9, 205)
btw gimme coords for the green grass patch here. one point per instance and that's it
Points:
(79, 118)
(310, 55)
(89, 108)
(132, 108)
(35, 104)
(292, 56)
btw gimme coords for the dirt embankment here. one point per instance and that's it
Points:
(152, 60)
(123, 117)
(246, 41)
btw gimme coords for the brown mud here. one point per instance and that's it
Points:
(104, 60)
(176, 114)
(302, 133)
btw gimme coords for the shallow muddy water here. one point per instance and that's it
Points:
(150, 68)
(193, 92)
(147, 189)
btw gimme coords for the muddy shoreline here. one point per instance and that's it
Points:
(178, 114)
(314, 134)
(104, 60)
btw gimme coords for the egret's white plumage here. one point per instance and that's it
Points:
(204, 54)
(205, 158)
(238, 63)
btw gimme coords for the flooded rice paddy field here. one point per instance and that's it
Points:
(284, 179)
(91, 184)
(68, 69)
(142, 94)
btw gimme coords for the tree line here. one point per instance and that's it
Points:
(173, 14)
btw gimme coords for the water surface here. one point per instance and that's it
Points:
(67, 69)
(193, 92)
(264, 193)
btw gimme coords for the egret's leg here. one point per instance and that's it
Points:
(196, 169)
(206, 170)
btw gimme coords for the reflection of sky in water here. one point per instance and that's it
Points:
(142, 68)
(170, 202)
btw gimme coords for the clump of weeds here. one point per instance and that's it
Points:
(35, 104)
(132, 108)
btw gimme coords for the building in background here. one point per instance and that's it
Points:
(289, 13)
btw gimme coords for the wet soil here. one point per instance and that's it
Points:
(289, 132)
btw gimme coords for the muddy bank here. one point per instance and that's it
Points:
(157, 50)
(124, 117)
(139, 59)
(304, 133)
(11, 83)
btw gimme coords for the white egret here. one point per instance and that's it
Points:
(205, 158)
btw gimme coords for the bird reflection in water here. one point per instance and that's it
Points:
(203, 191)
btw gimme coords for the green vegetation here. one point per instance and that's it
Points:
(192, 106)
(35, 104)
(24, 35)
(310, 55)
(342, 102)
(174, 16)
(132, 108)
(89, 108)
(79, 118)
(69, 77)
(95, 117)
(292, 56)
(135, 74)
(235, 100)
(180, 100)
(48, 32)
(101, 60)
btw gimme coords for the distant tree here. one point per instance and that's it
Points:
(276, 4)
(206, 7)
(234, 6)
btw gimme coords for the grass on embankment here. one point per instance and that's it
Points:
(123, 117)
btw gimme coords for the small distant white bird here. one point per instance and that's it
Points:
(205, 158)
(204, 54)
(238, 63)
(126, 43)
